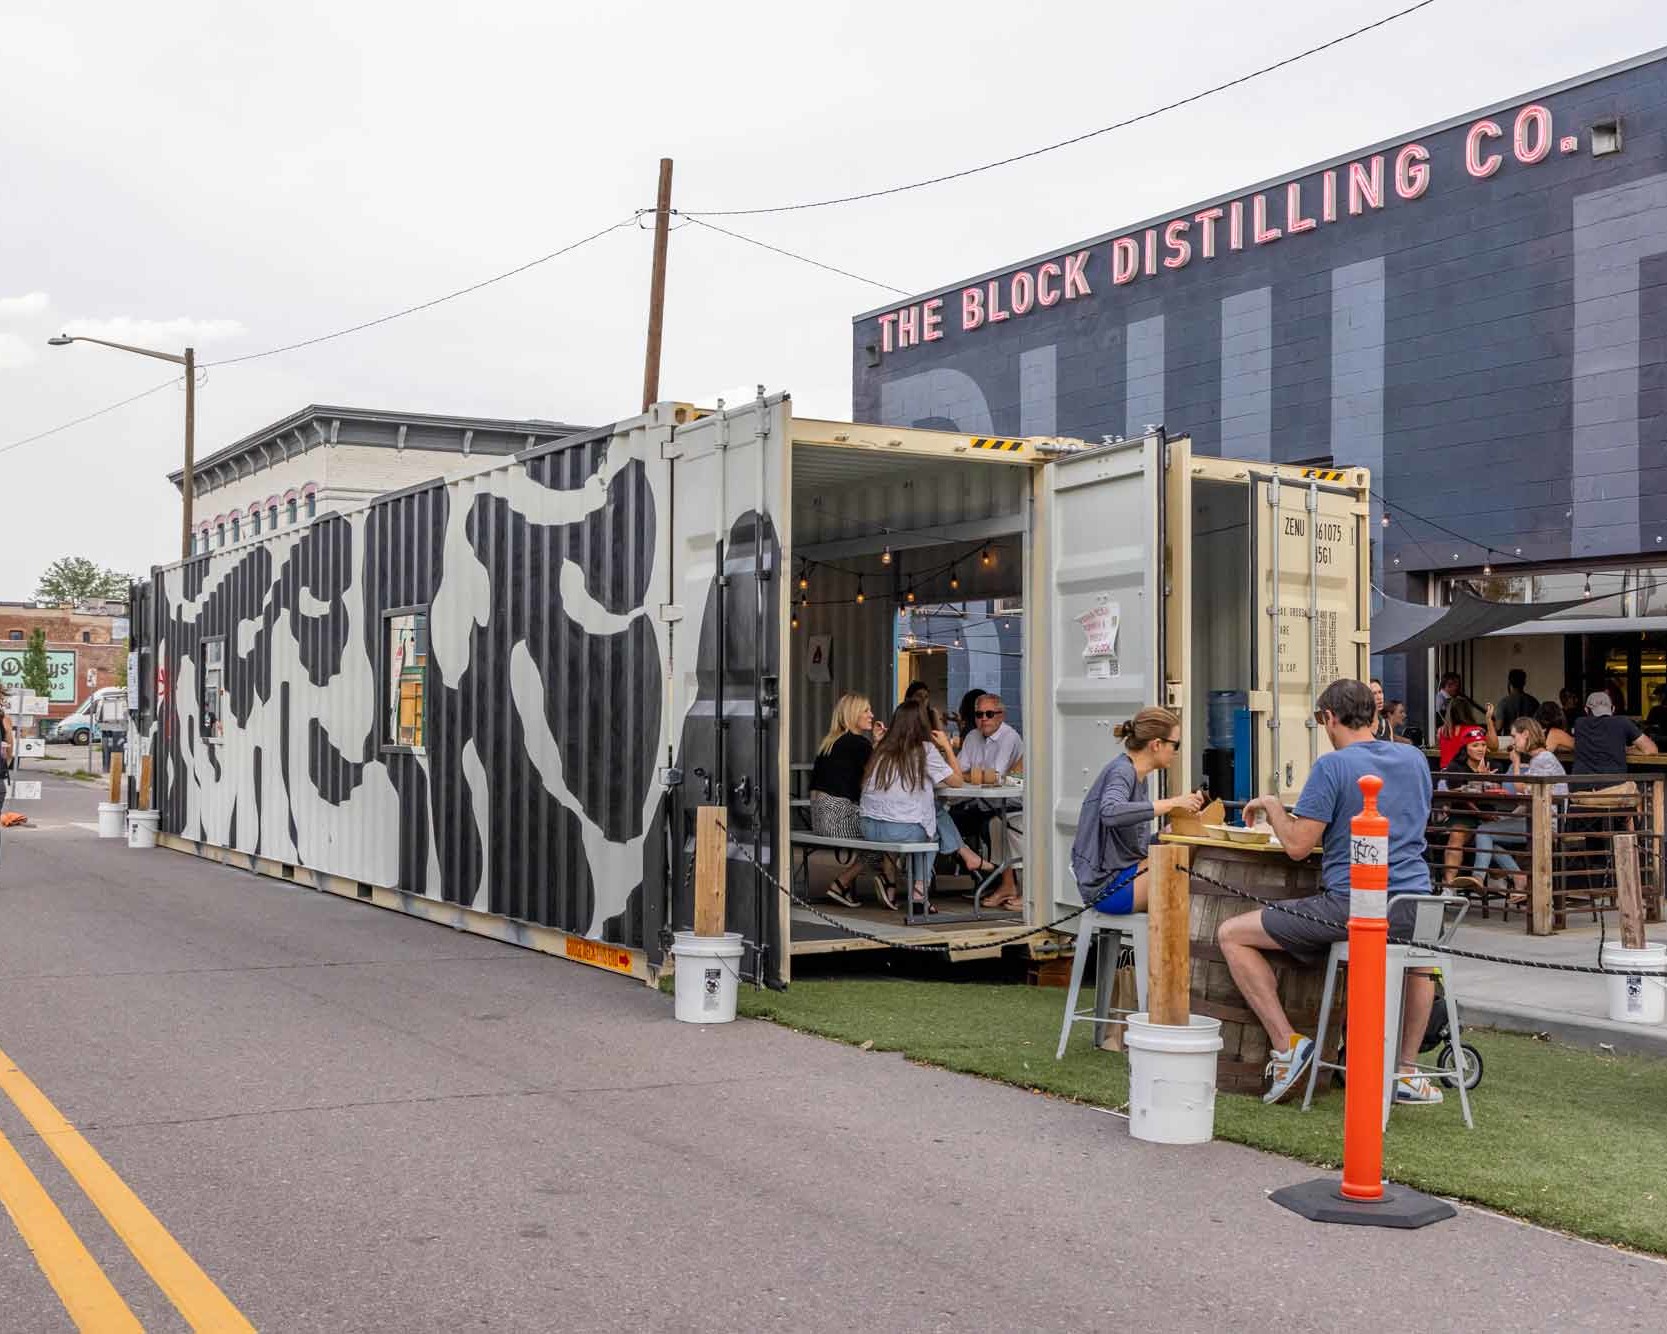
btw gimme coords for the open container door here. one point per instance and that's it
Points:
(1096, 642)
(729, 480)
(1309, 616)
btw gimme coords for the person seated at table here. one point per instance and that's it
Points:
(998, 747)
(1450, 737)
(1496, 839)
(1114, 827)
(1655, 722)
(1603, 740)
(1470, 771)
(1573, 710)
(1306, 928)
(836, 786)
(1555, 725)
(918, 693)
(899, 803)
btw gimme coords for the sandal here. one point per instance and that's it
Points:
(921, 901)
(885, 891)
(842, 895)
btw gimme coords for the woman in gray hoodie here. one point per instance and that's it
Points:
(1114, 829)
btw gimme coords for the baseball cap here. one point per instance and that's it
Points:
(1599, 705)
(1472, 733)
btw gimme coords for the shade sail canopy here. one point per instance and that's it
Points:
(1403, 627)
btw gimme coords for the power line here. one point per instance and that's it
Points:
(791, 254)
(428, 305)
(1075, 139)
(41, 435)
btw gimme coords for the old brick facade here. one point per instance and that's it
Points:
(80, 640)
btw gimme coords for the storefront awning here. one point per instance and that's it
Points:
(1403, 627)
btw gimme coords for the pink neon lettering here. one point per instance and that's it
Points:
(1328, 196)
(908, 327)
(1294, 221)
(1207, 223)
(1259, 221)
(1569, 143)
(1365, 187)
(1537, 119)
(1478, 166)
(1046, 293)
(1235, 226)
(1022, 292)
(886, 321)
(993, 300)
(1125, 260)
(972, 307)
(1151, 252)
(932, 318)
(1175, 238)
(1076, 276)
(1412, 175)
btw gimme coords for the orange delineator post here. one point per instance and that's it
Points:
(1368, 953)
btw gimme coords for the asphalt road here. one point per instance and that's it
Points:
(353, 1120)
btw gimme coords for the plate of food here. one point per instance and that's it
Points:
(1237, 833)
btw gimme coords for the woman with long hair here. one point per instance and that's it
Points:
(1452, 736)
(1469, 771)
(1555, 724)
(1528, 756)
(899, 792)
(1118, 815)
(836, 785)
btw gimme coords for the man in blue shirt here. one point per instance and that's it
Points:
(1330, 799)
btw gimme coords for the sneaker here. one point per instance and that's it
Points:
(1287, 1067)
(1416, 1090)
(842, 895)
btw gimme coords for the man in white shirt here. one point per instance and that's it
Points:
(996, 746)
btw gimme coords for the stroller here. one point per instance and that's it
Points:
(1439, 1040)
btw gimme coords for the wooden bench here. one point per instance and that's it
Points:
(917, 856)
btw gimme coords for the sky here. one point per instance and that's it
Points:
(244, 176)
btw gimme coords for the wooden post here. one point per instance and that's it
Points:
(1629, 891)
(711, 870)
(144, 783)
(657, 289)
(1658, 854)
(1539, 862)
(116, 777)
(1169, 919)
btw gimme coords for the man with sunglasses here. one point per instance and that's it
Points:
(1330, 800)
(995, 746)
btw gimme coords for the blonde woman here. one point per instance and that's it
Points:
(836, 784)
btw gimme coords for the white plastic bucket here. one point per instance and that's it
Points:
(707, 976)
(141, 828)
(112, 819)
(1172, 1079)
(1641, 996)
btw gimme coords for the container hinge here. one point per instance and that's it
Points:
(670, 612)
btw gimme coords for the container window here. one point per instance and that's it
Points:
(214, 689)
(405, 666)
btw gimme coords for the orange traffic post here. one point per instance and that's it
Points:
(1362, 1196)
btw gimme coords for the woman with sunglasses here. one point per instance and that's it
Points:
(1114, 830)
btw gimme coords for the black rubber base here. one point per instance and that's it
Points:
(1321, 1201)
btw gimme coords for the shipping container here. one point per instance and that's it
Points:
(496, 700)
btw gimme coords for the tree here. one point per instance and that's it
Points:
(75, 579)
(37, 675)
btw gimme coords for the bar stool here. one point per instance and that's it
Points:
(1091, 927)
(1435, 920)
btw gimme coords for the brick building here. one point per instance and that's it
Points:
(86, 648)
(1476, 311)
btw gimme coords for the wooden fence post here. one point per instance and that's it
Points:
(711, 870)
(116, 777)
(1629, 891)
(1539, 862)
(1169, 927)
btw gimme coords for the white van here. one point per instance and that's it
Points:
(82, 726)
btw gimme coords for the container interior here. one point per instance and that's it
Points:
(1222, 660)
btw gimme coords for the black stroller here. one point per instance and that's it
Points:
(1440, 1041)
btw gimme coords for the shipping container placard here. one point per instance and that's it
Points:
(599, 955)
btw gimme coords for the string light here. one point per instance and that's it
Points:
(1586, 591)
(804, 577)
(1487, 571)
(1384, 522)
(984, 557)
(885, 556)
(910, 595)
(860, 598)
(795, 620)
(954, 578)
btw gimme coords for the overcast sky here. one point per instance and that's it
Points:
(247, 175)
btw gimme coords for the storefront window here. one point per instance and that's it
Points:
(214, 688)
(406, 679)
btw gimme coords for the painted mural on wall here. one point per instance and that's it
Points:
(533, 791)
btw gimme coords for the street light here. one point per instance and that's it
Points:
(189, 362)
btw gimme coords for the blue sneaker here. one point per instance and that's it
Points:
(1287, 1067)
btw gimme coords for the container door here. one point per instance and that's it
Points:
(1097, 641)
(727, 630)
(1306, 619)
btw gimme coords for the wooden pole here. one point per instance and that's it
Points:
(1629, 891)
(1539, 862)
(187, 481)
(144, 783)
(116, 776)
(657, 289)
(1169, 924)
(1658, 830)
(711, 870)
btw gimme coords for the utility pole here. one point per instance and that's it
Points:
(186, 482)
(657, 289)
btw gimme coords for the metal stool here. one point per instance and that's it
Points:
(1090, 926)
(1436, 919)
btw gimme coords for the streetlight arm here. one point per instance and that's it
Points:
(124, 347)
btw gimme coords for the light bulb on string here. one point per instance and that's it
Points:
(1384, 522)
(984, 557)
(1586, 589)
(804, 577)
(1487, 571)
(954, 578)
(860, 598)
(885, 556)
(795, 620)
(910, 595)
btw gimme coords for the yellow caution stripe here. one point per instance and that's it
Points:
(1324, 474)
(1005, 446)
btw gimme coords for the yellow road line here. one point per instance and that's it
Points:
(191, 1291)
(89, 1297)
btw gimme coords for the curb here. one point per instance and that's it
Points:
(1577, 1030)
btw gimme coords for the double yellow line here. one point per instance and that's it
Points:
(87, 1294)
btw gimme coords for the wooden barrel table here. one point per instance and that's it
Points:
(1268, 874)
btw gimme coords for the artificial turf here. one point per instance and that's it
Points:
(1572, 1139)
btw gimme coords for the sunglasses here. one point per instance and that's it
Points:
(1168, 740)
(988, 713)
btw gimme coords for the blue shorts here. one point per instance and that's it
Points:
(1116, 896)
